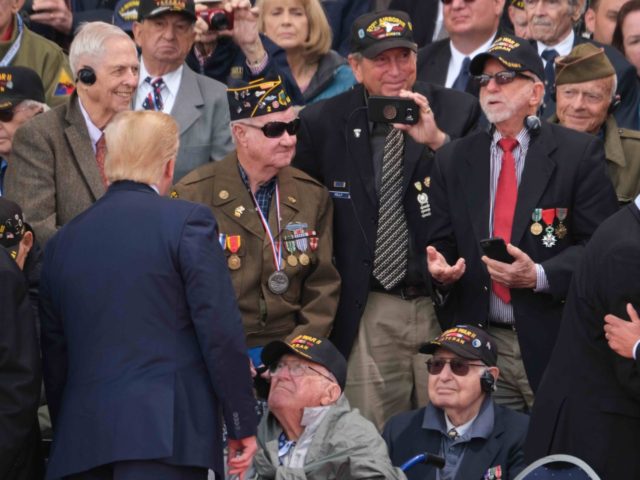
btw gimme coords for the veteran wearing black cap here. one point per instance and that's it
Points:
(21, 98)
(165, 33)
(20, 359)
(476, 437)
(543, 189)
(585, 101)
(518, 18)
(378, 175)
(275, 222)
(310, 431)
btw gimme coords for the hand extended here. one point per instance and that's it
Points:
(440, 270)
(621, 334)
(519, 274)
(425, 131)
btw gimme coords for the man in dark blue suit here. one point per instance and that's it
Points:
(141, 335)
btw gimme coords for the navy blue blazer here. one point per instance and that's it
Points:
(406, 438)
(141, 336)
(563, 169)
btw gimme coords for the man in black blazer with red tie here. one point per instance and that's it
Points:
(588, 403)
(545, 198)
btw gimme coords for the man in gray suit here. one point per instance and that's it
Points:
(164, 32)
(57, 161)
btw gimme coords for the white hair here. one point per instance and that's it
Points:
(90, 40)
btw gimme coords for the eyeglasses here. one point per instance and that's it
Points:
(296, 370)
(277, 129)
(501, 78)
(448, 2)
(7, 115)
(458, 366)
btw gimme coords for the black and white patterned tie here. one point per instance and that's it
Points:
(392, 240)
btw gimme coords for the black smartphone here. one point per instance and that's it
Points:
(393, 110)
(496, 249)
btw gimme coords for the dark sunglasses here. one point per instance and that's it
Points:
(501, 78)
(277, 129)
(6, 115)
(458, 366)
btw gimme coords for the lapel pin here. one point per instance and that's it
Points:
(357, 132)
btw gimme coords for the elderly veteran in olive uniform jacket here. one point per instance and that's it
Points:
(586, 100)
(300, 295)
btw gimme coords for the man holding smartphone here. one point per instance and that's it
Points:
(540, 188)
(378, 174)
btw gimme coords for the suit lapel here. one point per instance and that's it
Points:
(358, 143)
(475, 179)
(186, 109)
(78, 137)
(538, 169)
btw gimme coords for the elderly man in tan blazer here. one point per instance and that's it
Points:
(58, 157)
(275, 221)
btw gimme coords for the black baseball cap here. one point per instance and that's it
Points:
(12, 226)
(153, 8)
(316, 349)
(18, 84)
(373, 33)
(125, 13)
(514, 53)
(467, 341)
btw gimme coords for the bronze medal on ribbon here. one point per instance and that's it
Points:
(233, 244)
(536, 227)
(561, 229)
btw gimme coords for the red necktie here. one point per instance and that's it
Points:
(101, 151)
(505, 204)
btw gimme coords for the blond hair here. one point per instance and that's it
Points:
(318, 42)
(139, 145)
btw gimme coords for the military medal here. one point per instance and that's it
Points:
(233, 244)
(290, 244)
(302, 242)
(313, 240)
(536, 227)
(222, 239)
(278, 282)
(423, 201)
(548, 216)
(561, 230)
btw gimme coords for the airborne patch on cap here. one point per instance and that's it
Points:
(387, 27)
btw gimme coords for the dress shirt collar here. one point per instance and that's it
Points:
(563, 48)
(481, 426)
(94, 132)
(637, 200)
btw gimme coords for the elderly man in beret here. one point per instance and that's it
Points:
(476, 437)
(586, 99)
(21, 98)
(275, 221)
(310, 432)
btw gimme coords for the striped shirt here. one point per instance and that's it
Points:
(500, 312)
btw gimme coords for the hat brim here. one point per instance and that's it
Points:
(477, 64)
(272, 352)
(431, 347)
(373, 50)
(156, 12)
